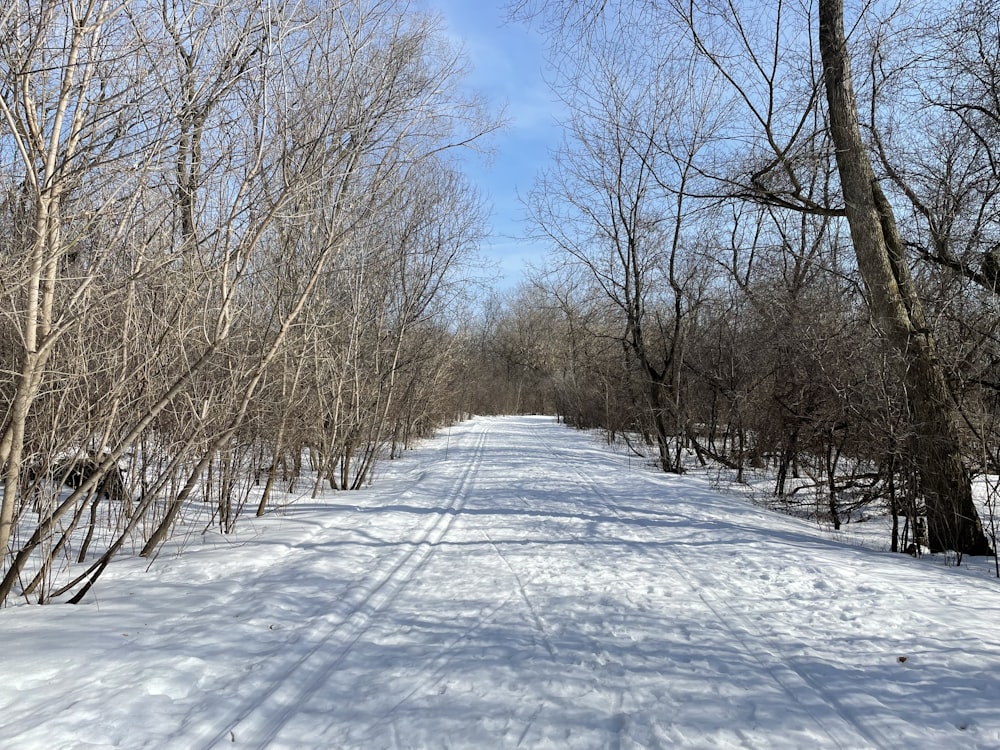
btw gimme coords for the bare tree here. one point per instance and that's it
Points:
(934, 118)
(190, 229)
(777, 148)
(620, 203)
(62, 118)
(953, 522)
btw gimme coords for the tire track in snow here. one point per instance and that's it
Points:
(436, 666)
(803, 690)
(266, 713)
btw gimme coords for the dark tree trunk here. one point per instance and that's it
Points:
(952, 520)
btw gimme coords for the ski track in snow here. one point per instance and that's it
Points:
(264, 715)
(513, 584)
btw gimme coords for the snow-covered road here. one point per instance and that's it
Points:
(513, 584)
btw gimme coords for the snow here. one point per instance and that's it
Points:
(513, 583)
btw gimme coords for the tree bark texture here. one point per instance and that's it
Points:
(952, 519)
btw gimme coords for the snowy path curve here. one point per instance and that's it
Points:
(513, 583)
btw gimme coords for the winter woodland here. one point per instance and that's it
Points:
(238, 260)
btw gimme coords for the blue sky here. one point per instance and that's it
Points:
(507, 62)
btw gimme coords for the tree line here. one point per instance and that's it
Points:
(232, 240)
(237, 257)
(774, 233)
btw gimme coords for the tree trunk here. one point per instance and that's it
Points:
(952, 520)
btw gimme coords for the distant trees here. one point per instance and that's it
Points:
(618, 204)
(231, 238)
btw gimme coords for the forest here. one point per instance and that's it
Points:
(238, 258)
